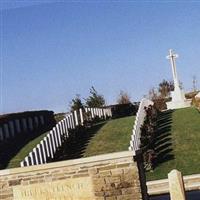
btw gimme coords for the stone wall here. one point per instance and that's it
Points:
(105, 177)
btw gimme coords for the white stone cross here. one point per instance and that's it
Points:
(172, 58)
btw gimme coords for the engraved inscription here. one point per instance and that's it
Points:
(69, 189)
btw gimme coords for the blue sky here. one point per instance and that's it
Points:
(52, 51)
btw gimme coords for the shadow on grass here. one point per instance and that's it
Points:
(76, 144)
(163, 140)
(11, 147)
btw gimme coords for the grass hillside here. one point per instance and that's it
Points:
(112, 137)
(104, 137)
(178, 143)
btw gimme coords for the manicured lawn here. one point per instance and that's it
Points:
(113, 136)
(178, 143)
(104, 137)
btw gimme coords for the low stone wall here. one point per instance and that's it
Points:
(106, 177)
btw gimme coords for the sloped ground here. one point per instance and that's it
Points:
(177, 143)
(112, 137)
(104, 137)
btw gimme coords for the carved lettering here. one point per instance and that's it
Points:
(69, 189)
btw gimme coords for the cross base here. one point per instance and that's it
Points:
(178, 99)
(178, 104)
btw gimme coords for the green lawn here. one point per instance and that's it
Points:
(114, 136)
(178, 143)
(110, 136)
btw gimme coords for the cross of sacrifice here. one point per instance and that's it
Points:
(172, 56)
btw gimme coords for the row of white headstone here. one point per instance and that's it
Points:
(13, 127)
(55, 138)
(139, 120)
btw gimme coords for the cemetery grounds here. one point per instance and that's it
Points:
(177, 142)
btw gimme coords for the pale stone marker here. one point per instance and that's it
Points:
(52, 140)
(60, 133)
(46, 147)
(1, 134)
(38, 149)
(66, 127)
(6, 130)
(62, 127)
(68, 122)
(30, 122)
(50, 145)
(36, 156)
(32, 158)
(36, 121)
(11, 126)
(55, 138)
(18, 125)
(42, 119)
(81, 116)
(92, 112)
(176, 185)
(76, 118)
(24, 124)
(56, 134)
(178, 95)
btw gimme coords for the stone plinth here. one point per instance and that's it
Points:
(178, 104)
(178, 100)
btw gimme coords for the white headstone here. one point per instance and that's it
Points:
(52, 141)
(6, 130)
(42, 119)
(66, 127)
(50, 145)
(76, 118)
(36, 156)
(46, 146)
(17, 125)
(11, 126)
(1, 134)
(36, 121)
(24, 124)
(72, 121)
(58, 133)
(55, 137)
(30, 123)
(31, 154)
(81, 116)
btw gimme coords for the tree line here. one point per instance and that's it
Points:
(96, 100)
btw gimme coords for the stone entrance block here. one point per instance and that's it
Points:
(69, 189)
(103, 177)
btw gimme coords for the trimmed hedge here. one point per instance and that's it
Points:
(123, 110)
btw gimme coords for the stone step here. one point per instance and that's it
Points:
(192, 182)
